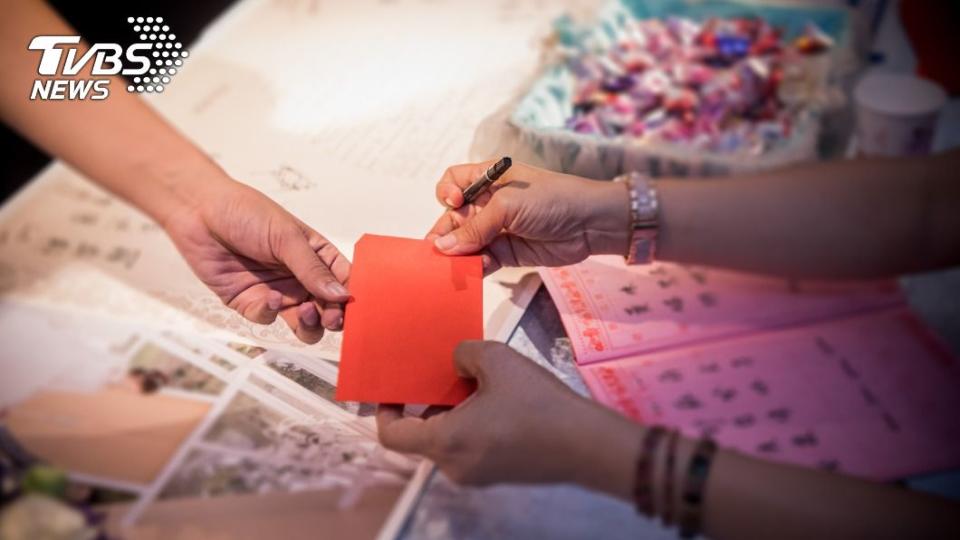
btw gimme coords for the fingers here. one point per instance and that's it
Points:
(513, 250)
(332, 313)
(312, 272)
(490, 262)
(409, 435)
(467, 360)
(310, 299)
(457, 178)
(262, 302)
(304, 320)
(332, 317)
(484, 361)
(504, 251)
(434, 410)
(475, 232)
(470, 358)
(330, 255)
(452, 219)
(449, 221)
(479, 231)
(258, 306)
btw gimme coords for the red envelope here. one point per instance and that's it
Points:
(412, 306)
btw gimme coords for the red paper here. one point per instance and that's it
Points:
(412, 306)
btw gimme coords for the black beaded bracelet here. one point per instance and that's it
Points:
(668, 507)
(643, 483)
(691, 511)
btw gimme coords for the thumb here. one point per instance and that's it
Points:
(311, 271)
(475, 232)
(403, 434)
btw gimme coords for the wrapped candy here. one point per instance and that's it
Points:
(812, 41)
(714, 84)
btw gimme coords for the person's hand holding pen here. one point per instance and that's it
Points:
(530, 217)
(849, 219)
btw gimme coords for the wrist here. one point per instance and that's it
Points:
(607, 222)
(169, 190)
(603, 451)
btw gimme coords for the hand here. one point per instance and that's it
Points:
(262, 261)
(521, 425)
(531, 217)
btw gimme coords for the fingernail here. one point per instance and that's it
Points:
(310, 318)
(336, 289)
(338, 323)
(274, 302)
(485, 260)
(446, 242)
(449, 202)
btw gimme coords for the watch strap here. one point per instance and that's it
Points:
(644, 217)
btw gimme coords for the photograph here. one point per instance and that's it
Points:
(327, 442)
(209, 474)
(152, 368)
(250, 351)
(315, 384)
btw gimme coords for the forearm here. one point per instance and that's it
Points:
(118, 142)
(854, 219)
(751, 498)
(602, 451)
(604, 456)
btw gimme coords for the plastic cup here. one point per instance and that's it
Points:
(896, 114)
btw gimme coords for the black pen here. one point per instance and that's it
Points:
(489, 177)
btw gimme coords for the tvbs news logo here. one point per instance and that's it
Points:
(151, 62)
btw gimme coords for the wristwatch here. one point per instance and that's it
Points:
(644, 217)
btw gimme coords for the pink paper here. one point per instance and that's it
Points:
(611, 310)
(871, 395)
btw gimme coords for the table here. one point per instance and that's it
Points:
(298, 118)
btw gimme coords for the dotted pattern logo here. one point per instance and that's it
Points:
(166, 56)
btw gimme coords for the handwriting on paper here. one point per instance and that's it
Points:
(83, 224)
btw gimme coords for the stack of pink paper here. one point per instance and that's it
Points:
(841, 377)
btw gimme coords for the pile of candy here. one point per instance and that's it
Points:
(713, 85)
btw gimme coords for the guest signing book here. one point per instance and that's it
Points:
(840, 377)
(412, 305)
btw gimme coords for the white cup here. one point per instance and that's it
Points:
(896, 114)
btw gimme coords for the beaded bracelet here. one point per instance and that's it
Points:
(643, 484)
(693, 488)
(668, 509)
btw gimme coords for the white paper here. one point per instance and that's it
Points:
(346, 113)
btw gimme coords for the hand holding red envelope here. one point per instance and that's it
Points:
(412, 306)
